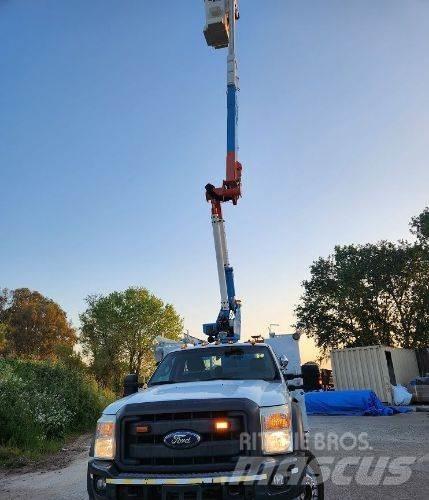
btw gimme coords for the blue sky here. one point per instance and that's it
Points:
(113, 119)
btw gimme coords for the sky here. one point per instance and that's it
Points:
(113, 119)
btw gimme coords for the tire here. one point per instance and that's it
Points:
(312, 487)
(89, 486)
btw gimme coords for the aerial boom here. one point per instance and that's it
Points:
(220, 33)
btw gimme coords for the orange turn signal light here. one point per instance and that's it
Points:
(222, 425)
(105, 429)
(143, 429)
(276, 421)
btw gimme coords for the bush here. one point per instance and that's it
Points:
(41, 401)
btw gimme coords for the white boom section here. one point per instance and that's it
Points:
(221, 258)
(232, 76)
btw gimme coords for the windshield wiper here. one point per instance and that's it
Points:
(165, 382)
(266, 379)
(161, 382)
(223, 378)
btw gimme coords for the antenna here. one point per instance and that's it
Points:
(271, 332)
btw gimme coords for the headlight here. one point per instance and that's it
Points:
(276, 430)
(105, 444)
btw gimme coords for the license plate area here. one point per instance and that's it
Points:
(182, 492)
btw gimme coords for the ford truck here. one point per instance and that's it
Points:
(214, 422)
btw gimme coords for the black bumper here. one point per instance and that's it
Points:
(256, 483)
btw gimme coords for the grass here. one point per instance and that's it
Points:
(12, 457)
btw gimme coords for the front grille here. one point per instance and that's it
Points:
(155, 493)
(216, 450)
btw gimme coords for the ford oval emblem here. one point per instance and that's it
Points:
(182, 439)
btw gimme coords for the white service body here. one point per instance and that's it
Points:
(286, 345)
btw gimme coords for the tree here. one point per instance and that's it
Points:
(373, 294)
(33, 325)
(420, 226)
(3, 330)
(119, 330)
(3, 326)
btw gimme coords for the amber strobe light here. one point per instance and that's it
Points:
(222, 425)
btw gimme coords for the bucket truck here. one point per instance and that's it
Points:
(216, 419)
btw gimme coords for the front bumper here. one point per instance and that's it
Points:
(253, 479)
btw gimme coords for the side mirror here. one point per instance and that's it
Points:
(283, 363)
(131, 384)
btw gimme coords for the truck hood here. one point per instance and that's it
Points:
(261, 392)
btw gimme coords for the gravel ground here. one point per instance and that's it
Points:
(393, 461)
(386, 441)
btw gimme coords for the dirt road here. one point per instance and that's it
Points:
(383, 439)
(68, 483)
(49, 480)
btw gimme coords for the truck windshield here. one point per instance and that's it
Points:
(216, 363)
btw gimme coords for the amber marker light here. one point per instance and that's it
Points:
(143, 429)
(276, 421)
(222, 425)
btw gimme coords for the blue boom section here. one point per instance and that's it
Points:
(230, 287)
(232, 119)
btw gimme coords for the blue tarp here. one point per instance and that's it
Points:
(348, 403)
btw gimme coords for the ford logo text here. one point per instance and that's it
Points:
(182, 439)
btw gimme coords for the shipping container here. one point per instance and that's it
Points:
(375, 367)
(423, 361)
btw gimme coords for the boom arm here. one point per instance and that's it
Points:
(220, 32)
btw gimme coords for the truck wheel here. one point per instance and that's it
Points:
(312, 481)
(89, 485)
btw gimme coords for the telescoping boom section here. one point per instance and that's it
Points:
(221, 16)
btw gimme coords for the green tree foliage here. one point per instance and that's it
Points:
(3, 326)
(118, 332)
(32, 326)
(420, 226)
(373, 294)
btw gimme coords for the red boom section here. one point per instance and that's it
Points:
(231, 186)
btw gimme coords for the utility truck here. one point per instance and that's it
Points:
(217, 420)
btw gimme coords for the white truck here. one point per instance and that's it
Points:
(214, 422)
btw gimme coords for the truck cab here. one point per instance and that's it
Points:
(215, 421)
